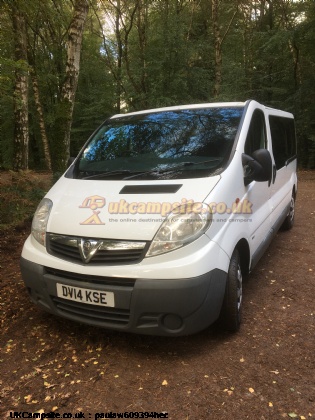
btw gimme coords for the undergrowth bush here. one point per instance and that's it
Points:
(20, 193)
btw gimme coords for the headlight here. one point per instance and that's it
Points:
(40, 220)
(184, 225)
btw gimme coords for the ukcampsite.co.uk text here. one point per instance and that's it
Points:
(163, 208)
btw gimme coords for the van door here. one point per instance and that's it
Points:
(258, 193)
(282, 134)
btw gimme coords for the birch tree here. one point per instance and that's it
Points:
(41, 119)
(61, 141)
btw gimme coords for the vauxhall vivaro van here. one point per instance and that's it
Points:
(153, 226)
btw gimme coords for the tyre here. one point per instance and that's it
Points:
(231, 310)
(289, 220)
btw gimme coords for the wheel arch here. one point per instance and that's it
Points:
(244, 251)
(294, 191)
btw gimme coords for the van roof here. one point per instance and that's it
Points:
(205, 105)
(183, 107)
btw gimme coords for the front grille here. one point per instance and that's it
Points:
(92, 313)
(113, 281)
(63, 250)
(94, 250)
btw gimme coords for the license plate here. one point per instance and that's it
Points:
(89, 296)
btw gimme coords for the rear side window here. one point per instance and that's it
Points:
(283, 140)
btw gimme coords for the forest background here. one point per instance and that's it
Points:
(67, 65)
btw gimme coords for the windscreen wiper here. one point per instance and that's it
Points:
(108, 173)
(172, 168)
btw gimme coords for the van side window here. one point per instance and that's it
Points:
(256, 136)
(283, 139)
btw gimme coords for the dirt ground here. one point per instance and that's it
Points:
(265, 371)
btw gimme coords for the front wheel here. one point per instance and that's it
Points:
(289, 220)
(232, 303)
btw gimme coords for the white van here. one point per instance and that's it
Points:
(155, 223)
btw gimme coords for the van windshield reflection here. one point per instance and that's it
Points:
(187, 143)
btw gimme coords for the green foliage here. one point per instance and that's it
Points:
(167, 57)
(96, 90)
(20, 195)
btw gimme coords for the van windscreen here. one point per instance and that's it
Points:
(186, 143)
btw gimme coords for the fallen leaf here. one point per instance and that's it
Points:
(28, 398)
(292, 415)
(229, 391)
(48, 385)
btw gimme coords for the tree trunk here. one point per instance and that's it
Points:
(119, 57)
(61, 145)
(218, 41)
(127, 26)
(142, 24)
(20, 97)
(41, 120)
(217, 49)
(247, 36)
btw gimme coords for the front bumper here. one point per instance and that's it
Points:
(147, 306)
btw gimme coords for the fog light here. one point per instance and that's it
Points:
(172, 322)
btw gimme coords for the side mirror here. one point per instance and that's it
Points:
(257, 167)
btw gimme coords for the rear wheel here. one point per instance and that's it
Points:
(232, 304)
